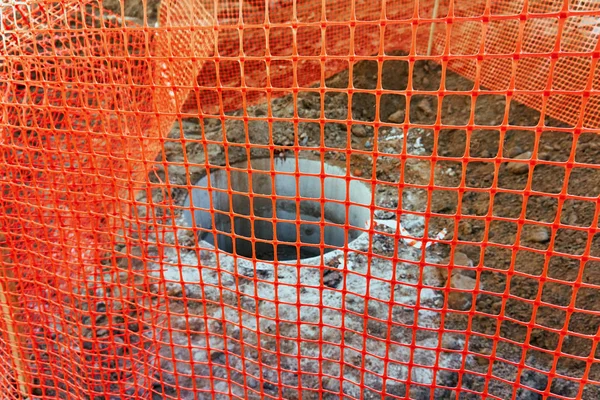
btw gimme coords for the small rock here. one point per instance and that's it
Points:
(424, 106)
(513, 152)
(519, 168)
(192, 291)
(174, 290)
(215, 327)
(248, 304)
(101, 307)
(460, 281)
(259, 112)
(227, 280)
(572, 219)
(462, 259)
(235, 333)
(253, 383)
(332, 278)
(452, 342)
(482, 361)
(368, 144)
(196, 324)
(87, 345)
(102, 332)
(538, 235)
(302, 103)
(359, 131)
(545, 156)
(384, 214)
(425, 81)
(357, 172)
(397, 117)
(524, 156)
(218, 357)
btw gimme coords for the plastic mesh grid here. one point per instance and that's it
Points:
(107, 291)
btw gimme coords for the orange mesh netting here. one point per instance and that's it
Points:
(300, 199)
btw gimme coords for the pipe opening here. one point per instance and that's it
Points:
(300, 223)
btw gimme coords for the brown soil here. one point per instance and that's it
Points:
(506, 287)
(512, 280)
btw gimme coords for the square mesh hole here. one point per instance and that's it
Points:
(451, 142)
(456, 110)
(423, 109)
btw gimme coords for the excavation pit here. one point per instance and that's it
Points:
(313, 202)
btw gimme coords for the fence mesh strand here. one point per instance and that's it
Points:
(300, 199)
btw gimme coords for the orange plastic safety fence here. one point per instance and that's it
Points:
(300, 199)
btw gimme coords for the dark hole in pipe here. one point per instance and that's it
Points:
(292, 217)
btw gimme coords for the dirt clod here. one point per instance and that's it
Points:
(332, 278)
(425, 106)
(461, 300)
